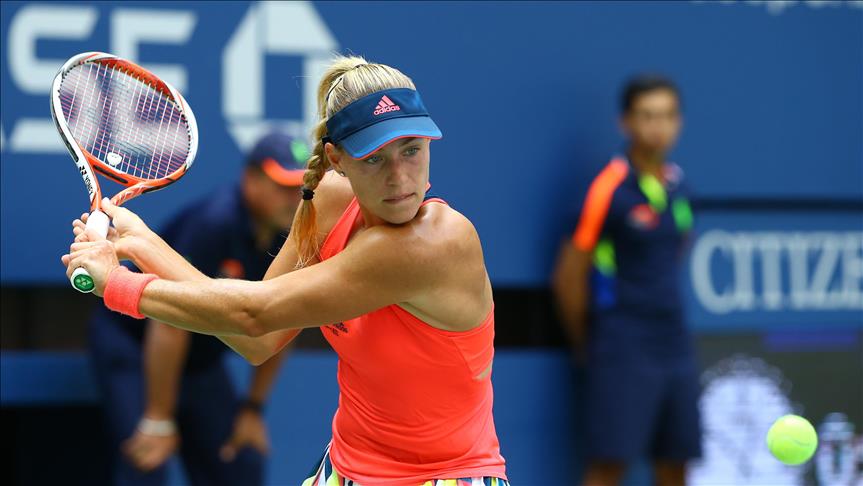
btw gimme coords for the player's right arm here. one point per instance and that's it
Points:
(153, 255)
(150, 253)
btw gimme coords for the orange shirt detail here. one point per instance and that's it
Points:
(596, 204)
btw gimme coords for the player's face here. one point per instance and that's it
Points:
(653, 123)
(391, 183)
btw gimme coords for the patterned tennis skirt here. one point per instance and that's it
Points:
(325, 475)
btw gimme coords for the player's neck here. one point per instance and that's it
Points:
(647, 161)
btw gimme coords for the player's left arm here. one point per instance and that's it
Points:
(368, 275)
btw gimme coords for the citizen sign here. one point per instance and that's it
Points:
(778, 271)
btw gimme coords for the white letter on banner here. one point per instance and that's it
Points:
(852, 271)
(799, 246)
(130, 28)
(31, 23)
(769, 248)
(826, 266)
(287, 28)
(701, 275)
(33, 75)
(744, 279)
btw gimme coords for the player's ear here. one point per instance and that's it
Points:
(334, 155)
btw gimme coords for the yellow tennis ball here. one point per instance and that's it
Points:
(792, 439)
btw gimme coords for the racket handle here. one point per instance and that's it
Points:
(80, 279)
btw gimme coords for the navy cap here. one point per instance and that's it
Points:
(369, 123)
(282, 157)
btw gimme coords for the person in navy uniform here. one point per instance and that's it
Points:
(617, 288)
(165, 390)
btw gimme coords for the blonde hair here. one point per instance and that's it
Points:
(347, 79)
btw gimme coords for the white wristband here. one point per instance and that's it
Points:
(158, 428)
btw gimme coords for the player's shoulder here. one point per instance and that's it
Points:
(438, 231)
(444, 221)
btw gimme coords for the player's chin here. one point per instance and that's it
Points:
(400, 215)
(400, 209)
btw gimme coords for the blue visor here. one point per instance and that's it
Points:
(369, 123)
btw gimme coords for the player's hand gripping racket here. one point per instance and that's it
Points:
(120, 120)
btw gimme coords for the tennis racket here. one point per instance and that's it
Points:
(120, 120)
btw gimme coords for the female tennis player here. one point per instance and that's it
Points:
(396, 282)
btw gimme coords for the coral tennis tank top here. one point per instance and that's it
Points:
(411, 405)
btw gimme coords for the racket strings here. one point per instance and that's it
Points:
(125, 123)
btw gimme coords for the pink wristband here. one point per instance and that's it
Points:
(123, 291)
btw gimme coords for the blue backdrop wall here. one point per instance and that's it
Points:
(526, 94)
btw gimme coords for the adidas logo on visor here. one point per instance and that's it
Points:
(386, 105)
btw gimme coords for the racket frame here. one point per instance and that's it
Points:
(88, 165)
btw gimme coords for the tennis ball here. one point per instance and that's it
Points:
(792, 439)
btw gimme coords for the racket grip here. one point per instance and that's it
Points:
(80, 279)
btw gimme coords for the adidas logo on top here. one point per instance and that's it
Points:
(386, 105)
